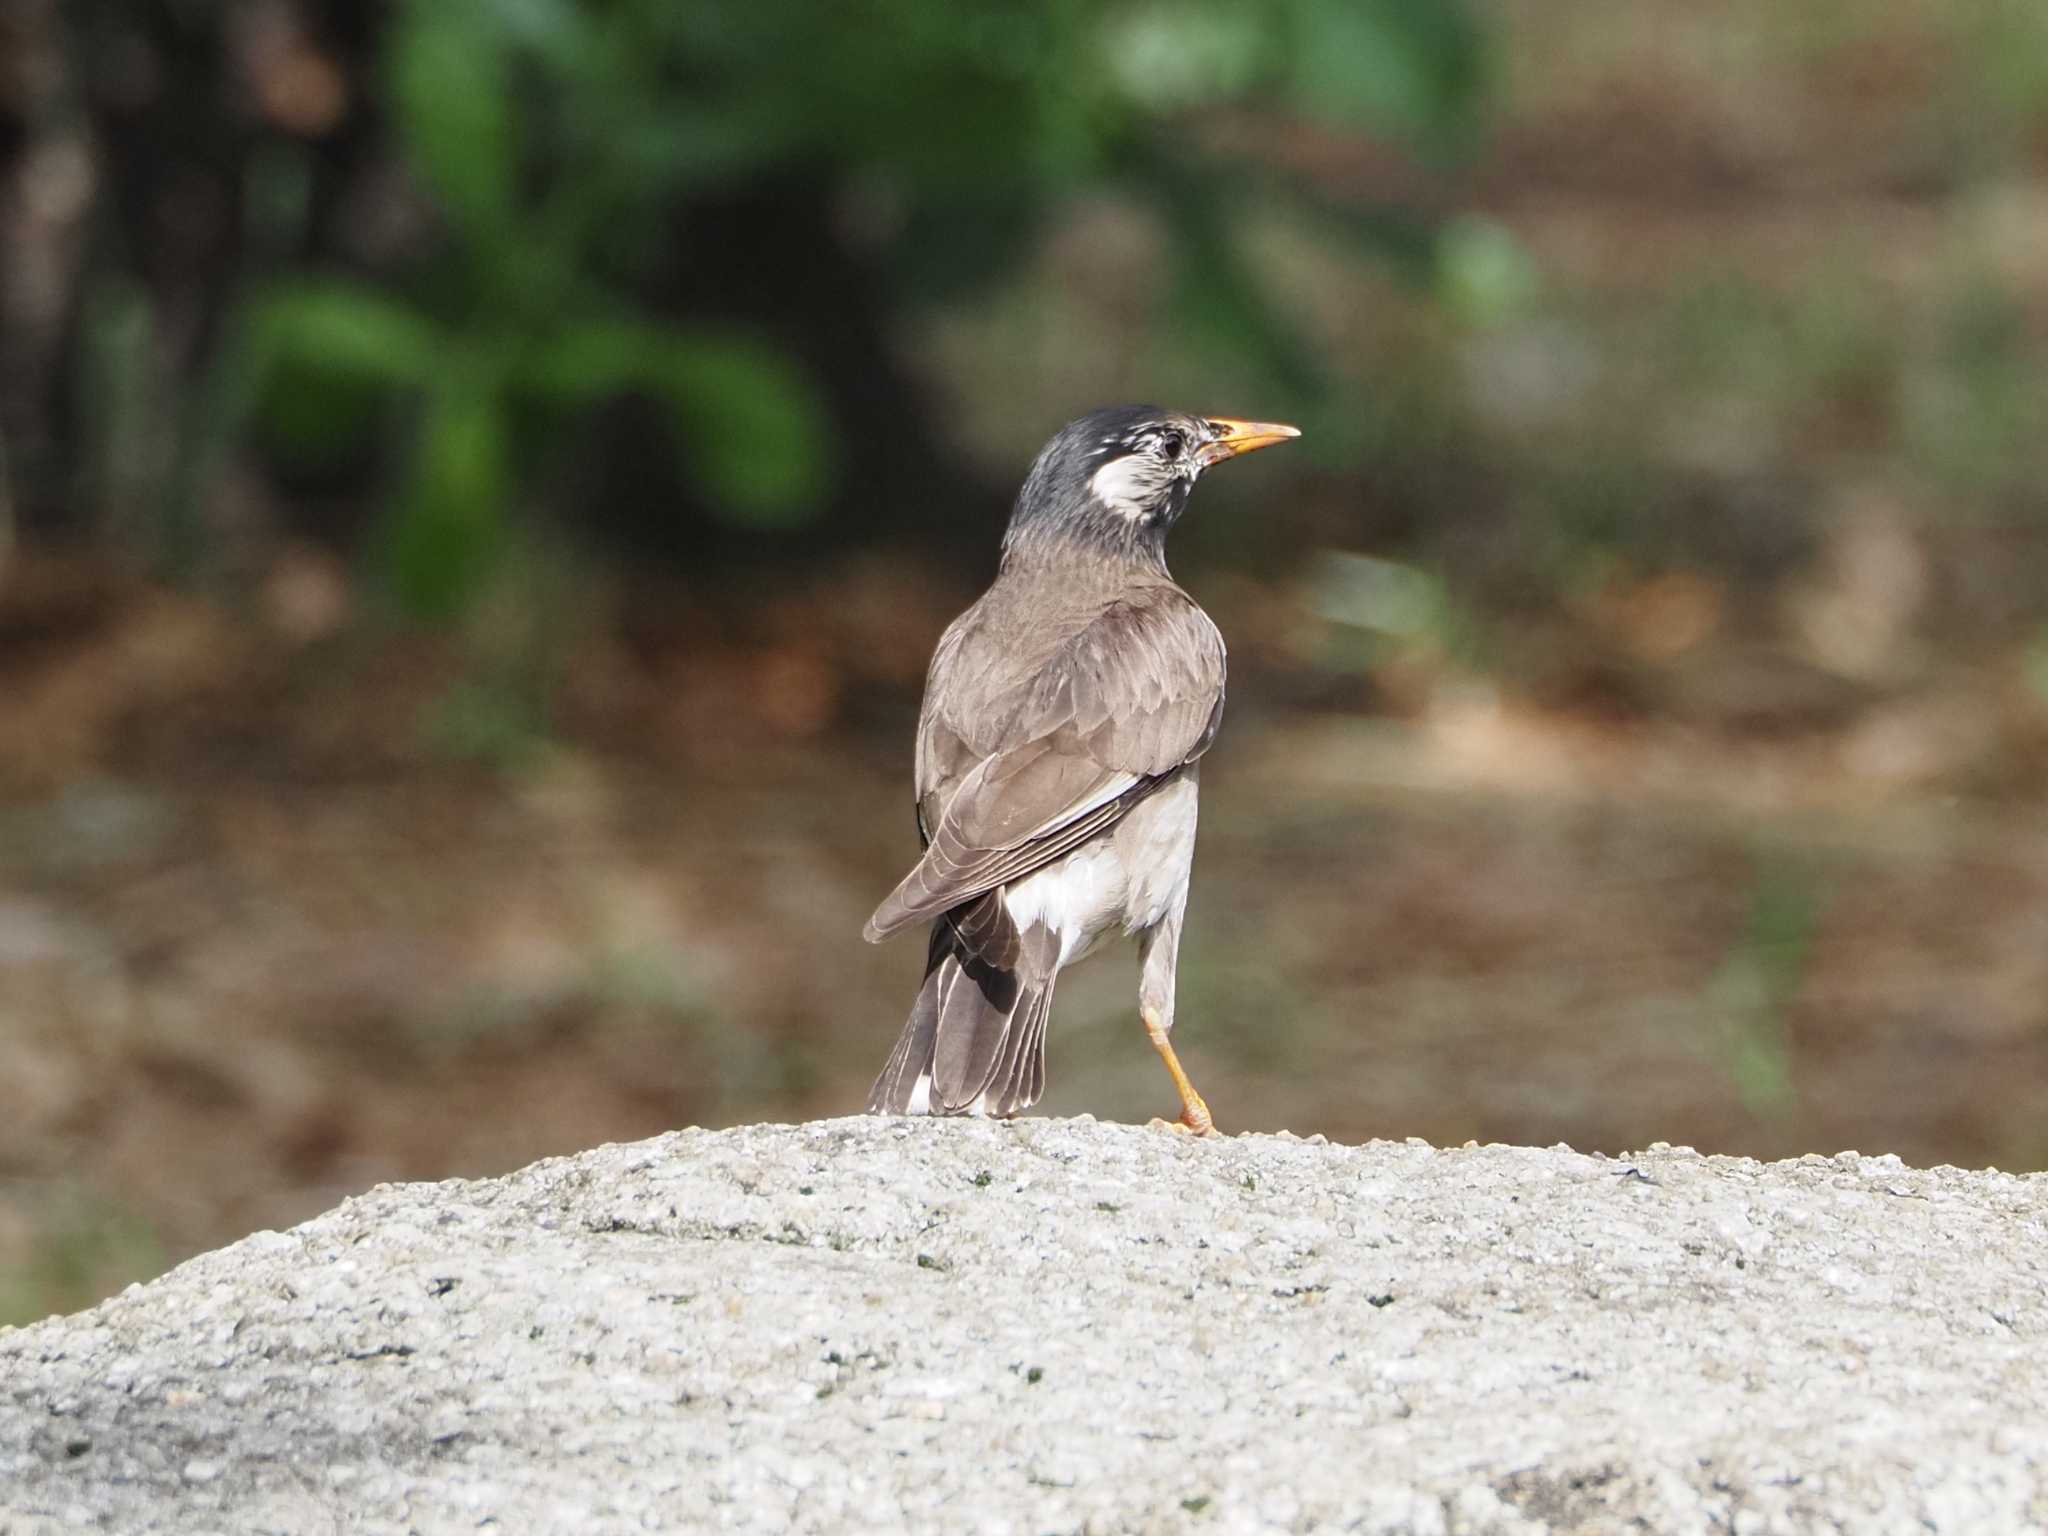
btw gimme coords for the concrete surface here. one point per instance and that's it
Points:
(1062, 1325)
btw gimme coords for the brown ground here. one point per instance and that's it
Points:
(248, 964)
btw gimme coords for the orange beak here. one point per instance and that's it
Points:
(1242, 437)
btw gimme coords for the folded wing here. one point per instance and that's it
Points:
(1127, 702)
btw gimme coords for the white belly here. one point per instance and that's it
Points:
(1127, 880)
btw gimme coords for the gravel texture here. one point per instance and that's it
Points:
(1064, 1325)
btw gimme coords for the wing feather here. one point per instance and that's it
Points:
(1135, 695)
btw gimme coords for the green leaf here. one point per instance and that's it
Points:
(542, 24)
(344, 328)
(1168, 57)
(448, 529)
(1411, 67)
(588, 362)
(1484, 275)
(452, 83)
(1760, 978)
(752, 426)
(1218, 300)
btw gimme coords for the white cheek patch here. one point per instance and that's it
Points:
(1132, 485)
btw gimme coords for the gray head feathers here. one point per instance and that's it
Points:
(1114, 481)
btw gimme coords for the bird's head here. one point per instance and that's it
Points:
(1121, 477)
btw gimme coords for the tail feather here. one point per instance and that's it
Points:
(1019, 1076)
(904, 1087)
(975, 1038)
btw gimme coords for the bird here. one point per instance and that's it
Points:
(1058, 749)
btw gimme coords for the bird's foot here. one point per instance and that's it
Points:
(1195, 1120)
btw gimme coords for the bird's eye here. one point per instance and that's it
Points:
(1171, 443)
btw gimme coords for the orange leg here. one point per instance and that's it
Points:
(1194, 1113)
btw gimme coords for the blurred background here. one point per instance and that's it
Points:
(482, 481)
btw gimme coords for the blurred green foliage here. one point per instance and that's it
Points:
(527, 306)
(86, 1246)
(1759, 979)
(566, 145)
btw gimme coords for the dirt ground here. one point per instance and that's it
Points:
(260, 947)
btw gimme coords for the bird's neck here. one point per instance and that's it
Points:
(1110, 549)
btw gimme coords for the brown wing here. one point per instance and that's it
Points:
(1010, 782)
